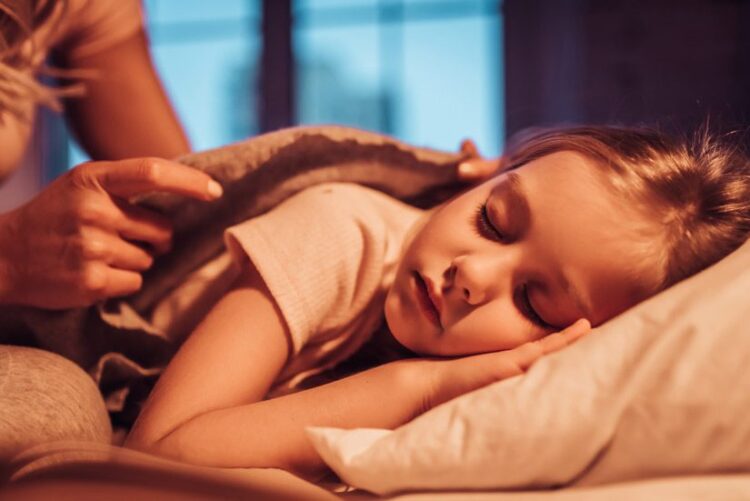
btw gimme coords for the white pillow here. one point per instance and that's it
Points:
(662, 389)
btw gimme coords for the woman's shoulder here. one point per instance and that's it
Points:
(85, 27)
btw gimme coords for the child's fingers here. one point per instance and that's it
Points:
(500, 365)
(525, 355)
(580, 328)
(560, 340)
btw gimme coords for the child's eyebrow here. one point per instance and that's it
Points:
(512, 190)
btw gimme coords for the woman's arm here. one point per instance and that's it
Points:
(81, 240)
(205, 409)
(125, 112)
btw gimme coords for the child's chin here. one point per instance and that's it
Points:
(396, 331)
(393, 327)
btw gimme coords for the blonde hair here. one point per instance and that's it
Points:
(697, 190)
(18, 84)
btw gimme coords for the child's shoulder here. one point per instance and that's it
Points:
(354, 198)
(339, 189)
(344, 208)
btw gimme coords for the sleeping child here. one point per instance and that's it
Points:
(579, 225)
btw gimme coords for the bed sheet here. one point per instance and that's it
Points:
(87, 470)
(64, 462)
(735, 487)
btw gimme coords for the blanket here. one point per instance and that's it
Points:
(116, 342)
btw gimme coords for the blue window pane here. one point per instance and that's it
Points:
(447, 7)
(324, 4)
(171, 11)
(340, 82)
(451, 83)
(207, 56)
(426, 71)
(212, 86)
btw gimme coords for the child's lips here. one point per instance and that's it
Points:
(427, 298)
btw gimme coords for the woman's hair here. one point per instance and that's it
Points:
(18, 21)
(696, 190)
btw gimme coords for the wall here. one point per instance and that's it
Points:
(671, 62)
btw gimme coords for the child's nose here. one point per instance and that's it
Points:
(477, 278)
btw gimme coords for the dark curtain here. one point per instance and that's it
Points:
(671, 63)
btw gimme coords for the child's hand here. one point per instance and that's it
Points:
(475, 168)
(461, 375)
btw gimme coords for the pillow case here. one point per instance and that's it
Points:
(660, 390)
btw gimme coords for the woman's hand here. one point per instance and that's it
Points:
(475, 168)
(81, 240)
(454, 377)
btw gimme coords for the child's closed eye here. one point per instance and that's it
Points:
(487, 229)
(523, 302)
(484, 225)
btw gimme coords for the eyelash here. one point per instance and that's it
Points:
(484, 226)
(486, 229)
(529, 311)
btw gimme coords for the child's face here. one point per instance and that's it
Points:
(551, 246)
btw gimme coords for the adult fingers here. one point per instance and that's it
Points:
(469, 148)
(129, 221)
(95, 245)
(99, 281)
(138, 176)
(127, 256)
(477, 169)
(121, 283)
(143, 225)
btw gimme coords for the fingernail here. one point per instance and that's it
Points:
(215, 189)
(466, 169)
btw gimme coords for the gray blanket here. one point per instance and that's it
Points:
(115, 340)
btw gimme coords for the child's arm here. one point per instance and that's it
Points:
(205, 408)
(231, 359)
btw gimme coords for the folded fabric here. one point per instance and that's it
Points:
(660, 390)
(119, 343)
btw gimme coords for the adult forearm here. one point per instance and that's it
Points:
(129, 99)
(272, 433)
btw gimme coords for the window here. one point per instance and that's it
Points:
(426, 71)
(207, 56)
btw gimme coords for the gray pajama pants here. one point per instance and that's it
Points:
(45, 397)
